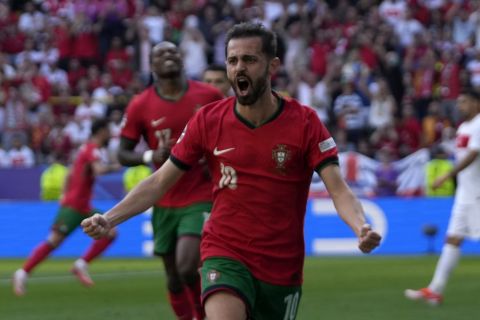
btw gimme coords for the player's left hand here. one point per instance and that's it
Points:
(368, 239)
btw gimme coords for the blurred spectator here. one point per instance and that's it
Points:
(155, 22)
(85, 42)
(406, 27)
(216, 75)
(409, 131)
(75, 72)
(314, 93)
(39, 132)
(15, 119)
(31, 19)
(393, 11)
(473, 68)
(117, 52)
(88, 110)
(438, 166)
(434, 123)
(450, 83)
(7, 69)
(59, 143)
(350, 112)
(4, 158)
(20, 155)
(115, 125)
(385, 138)
(386, 173)
(121, 73)
(194, 48)
(382, 106)
(52, 181)
(57, 77)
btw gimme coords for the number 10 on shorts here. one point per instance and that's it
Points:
(292, 303)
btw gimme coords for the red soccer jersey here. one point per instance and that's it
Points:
(78, 191)
(261, 179)
(154, 117)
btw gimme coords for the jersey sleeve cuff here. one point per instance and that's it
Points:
(180, 164)
(326, 162)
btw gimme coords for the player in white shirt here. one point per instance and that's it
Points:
(465, 217)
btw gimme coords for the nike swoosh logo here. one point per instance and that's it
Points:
(217, 152)
(155, 123)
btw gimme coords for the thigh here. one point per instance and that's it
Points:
(230, 276)
(67, 220)
(458, 223)
(164, 225)
(276, 302)
(192, 219)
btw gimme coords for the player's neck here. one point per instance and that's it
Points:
(171, 88)
(261, 111)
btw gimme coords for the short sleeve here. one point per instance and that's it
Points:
(320, 146)
(189, 147)
(131, 123)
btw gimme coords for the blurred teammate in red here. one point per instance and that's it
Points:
(261, 150)
(159, 114)
(74, 207)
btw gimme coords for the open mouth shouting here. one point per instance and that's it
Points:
(243, 84)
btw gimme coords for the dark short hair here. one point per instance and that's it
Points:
(471, 92)
(251, 29)
(99, 124)
(216, 67)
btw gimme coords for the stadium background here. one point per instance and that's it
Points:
(399, 64)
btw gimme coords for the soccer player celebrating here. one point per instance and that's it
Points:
(74, 207)
(261, 150)
(465, 218)
(216, 75)
(160, 114)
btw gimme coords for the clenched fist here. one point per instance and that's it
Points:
(97, 226)
(368, 239)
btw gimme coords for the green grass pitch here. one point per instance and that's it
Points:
(351, 288)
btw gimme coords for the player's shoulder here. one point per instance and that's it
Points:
(215, 110)
(140, 98)
(294, 108)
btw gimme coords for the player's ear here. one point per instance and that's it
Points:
(274, 65)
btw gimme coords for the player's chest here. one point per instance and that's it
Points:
(262, 151)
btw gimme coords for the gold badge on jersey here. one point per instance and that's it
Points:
(281, 155)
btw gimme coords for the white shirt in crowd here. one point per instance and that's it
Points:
(4, 159)
(21, 158)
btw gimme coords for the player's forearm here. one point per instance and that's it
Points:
(465, 162)
(350, 210)
(130, 158)
(145, 194)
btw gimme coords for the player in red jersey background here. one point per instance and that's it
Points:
(159, 115)
(261, 150)
(75, 206)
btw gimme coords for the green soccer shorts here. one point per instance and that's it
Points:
(68, 219)
(263, 301)
(171, 223)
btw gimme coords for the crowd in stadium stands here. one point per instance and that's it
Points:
(383, 75)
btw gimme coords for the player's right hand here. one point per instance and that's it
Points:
(97, 226)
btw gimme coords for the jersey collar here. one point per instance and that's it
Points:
(281, 104)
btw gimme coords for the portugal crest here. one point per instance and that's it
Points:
(281, 155)
(213, 276)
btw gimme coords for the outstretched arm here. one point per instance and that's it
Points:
(349, 208)
(142, 197)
